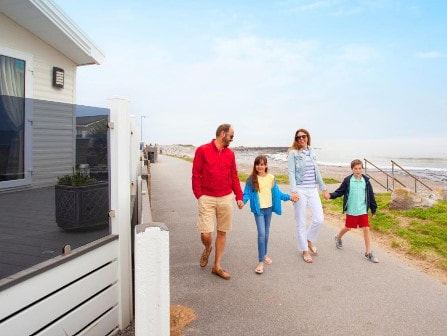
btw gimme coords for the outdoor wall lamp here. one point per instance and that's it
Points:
(58, 77)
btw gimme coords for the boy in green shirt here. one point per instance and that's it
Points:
(358, 198)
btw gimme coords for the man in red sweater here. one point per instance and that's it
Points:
(214, 180)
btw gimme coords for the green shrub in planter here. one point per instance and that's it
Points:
(76, 179)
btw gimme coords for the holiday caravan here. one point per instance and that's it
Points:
(55, 281)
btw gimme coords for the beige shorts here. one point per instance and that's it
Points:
(211, 208)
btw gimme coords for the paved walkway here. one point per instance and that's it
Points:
(339, 294)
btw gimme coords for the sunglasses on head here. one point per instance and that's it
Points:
(304, 136)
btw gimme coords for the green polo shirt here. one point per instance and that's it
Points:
(357, 197)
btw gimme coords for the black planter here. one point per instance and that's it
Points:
(79, 207)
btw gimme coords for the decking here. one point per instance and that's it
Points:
(29, 233)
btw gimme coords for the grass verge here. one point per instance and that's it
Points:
(186, 158)
(330, 180)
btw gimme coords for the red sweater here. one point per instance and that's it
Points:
(214, 172)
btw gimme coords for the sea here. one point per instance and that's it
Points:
(432, 167)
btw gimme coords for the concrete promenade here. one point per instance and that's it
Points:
(341, 293)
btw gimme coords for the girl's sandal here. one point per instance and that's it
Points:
(307, 259)
(259, 269)
(268, 261)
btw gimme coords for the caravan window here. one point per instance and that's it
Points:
(12, 118)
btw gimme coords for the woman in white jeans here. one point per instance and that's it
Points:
(305, 179)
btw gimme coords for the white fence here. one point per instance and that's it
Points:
(88, 292)
(79, 296)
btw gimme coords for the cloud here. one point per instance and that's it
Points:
(246, 80)
(348, 11)
(359, 53)
(316, 5)
(338, 8)
(429, 54)
(272, 56)
(267, 88)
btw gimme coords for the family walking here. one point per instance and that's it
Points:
(215, 180)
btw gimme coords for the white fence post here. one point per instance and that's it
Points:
(120, 201)
(140, 193)
(152, 298)
(134, 153)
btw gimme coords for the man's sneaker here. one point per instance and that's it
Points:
(371, 257)
(338, 243)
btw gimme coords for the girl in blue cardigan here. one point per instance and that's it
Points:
(265, 198)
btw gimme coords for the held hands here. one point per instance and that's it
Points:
(326, 195)
(294, 197)
(240, 204)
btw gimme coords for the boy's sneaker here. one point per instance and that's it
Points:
(338, 243)
(371, 257)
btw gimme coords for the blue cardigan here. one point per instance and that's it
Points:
(252, 196)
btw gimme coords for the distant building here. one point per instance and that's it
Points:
(86, 125)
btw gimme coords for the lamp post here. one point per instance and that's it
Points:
(141, 125)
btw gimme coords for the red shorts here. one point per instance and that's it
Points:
(357, 221)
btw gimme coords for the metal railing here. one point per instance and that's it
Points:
(388, 177)
(392, 177)
(393, 163)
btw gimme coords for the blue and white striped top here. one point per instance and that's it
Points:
(309, 179)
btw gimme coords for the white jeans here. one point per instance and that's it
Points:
(309, 198)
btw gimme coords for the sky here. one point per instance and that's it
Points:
(355, 73)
